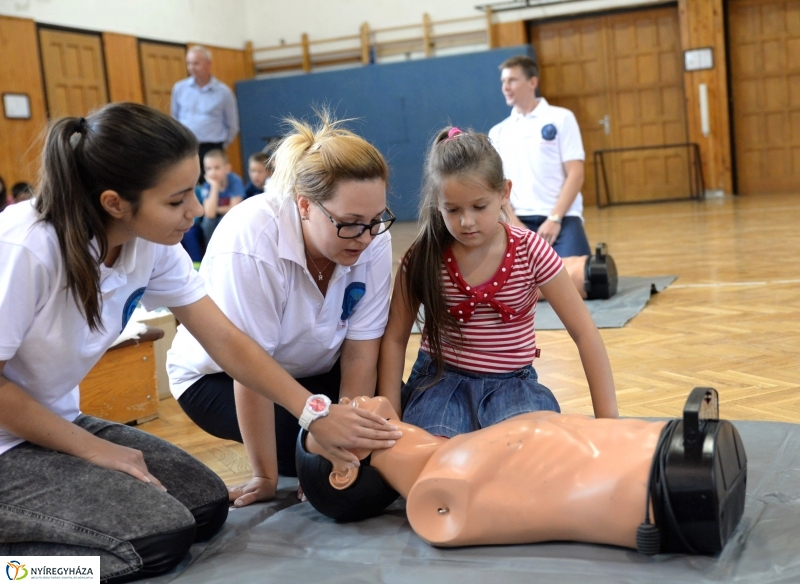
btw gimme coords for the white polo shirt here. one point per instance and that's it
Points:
(534, 148)
(44, 338)
(255, 270)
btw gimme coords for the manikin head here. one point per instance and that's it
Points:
(342, 491)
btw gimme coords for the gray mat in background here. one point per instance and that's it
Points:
(287, 541)
(633, 293)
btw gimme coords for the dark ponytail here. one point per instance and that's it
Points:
(452, 155)
(122, 147)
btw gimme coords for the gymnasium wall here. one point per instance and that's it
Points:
(21, 72)
(269, 22)
(217, 23)
(397, 107)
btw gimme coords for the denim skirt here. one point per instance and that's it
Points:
(463, 401)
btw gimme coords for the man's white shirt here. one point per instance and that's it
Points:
(534, 148)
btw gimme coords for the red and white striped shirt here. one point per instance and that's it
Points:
(496, 317)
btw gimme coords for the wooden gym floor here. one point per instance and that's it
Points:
(730, 321)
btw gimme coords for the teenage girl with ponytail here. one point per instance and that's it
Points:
(305, 270)
(477, 279)
(116, 195)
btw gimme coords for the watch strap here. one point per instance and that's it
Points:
(317, 406)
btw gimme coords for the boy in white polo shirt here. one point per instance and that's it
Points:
(543, 155)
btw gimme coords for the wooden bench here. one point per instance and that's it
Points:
(122, 386)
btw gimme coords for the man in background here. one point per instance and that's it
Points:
(543, 155)
(205, 105)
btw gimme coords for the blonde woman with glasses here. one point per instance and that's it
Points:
(305, 271)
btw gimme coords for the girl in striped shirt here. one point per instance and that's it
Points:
(478, 280)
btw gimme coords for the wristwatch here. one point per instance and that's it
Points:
(317, 406)
(555, 218)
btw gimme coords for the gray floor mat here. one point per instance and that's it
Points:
(633, 294)
(287, 541)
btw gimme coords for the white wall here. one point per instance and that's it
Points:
(269, 21)
(214, 22)
(229, 23)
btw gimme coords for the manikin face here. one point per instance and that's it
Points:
(258, 173)
(198, 66)
(471, 210)
(517, 89)
(167, 210)
(352, 202)
(216, 169)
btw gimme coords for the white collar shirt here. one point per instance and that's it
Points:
(255, 270)
(534, 148)
(45, 339)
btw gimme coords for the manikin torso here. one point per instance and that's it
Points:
(540, 476)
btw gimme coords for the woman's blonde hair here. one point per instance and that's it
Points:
(310, 160)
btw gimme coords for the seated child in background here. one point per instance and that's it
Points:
(260, 171)
(21, 191)
(5, 197)
(193, 240)
(222, 191)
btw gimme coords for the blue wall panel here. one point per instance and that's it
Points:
(397, 107)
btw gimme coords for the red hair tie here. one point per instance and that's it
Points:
(451, 135)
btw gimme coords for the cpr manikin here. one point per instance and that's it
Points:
(543, 476)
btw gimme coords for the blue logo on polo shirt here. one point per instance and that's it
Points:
(549, 132)
(352, 294)
(130, 306)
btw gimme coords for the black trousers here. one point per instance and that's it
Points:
(210, 403)
(205, 147)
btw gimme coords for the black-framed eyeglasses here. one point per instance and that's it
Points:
(355, 230)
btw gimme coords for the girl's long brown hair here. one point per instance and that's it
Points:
(123, 147)
(467, 155)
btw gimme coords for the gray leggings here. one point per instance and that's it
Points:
(54, 504)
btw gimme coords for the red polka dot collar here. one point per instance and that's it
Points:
(483, 293)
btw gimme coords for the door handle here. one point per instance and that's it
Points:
(606, 123)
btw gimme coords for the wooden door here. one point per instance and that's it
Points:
(162, 66)
(20, 72)
(622, 76)
(765, 80)
(123, 68)
(646, 74)
(74, 72)
(571, 56)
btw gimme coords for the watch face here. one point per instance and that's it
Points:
(317, 405)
